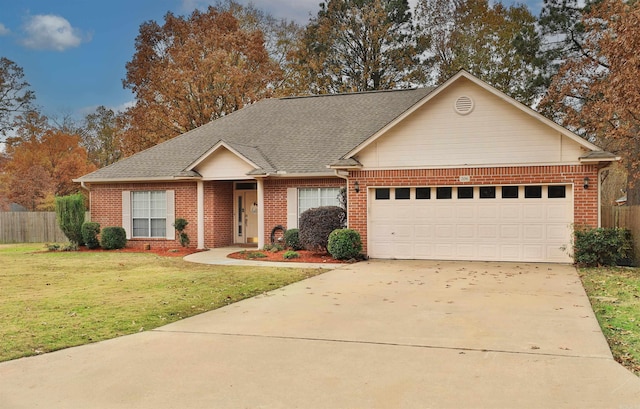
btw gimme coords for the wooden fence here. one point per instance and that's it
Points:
(30, 227)
(627, 217)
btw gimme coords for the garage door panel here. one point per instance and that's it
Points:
(518, 229)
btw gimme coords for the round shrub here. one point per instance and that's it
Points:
(316, 224)
(344, 244)
(292, 239)
(113, 238)
(90, 231)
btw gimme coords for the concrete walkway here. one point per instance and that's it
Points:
(218, 256)
(376, 334)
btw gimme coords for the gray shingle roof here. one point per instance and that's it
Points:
(295, 135)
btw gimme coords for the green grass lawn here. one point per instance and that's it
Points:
(54, 300)
(615, 298)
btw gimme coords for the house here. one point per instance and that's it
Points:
(460, 172)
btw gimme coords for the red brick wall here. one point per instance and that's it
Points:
(106, 209)
(218, 206)
(275, 198)
(585, 201)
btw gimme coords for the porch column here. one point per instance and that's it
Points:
(260, 183)
(200, 207)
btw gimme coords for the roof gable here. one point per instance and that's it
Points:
(223, 162)
(461, 76)
(465, 125)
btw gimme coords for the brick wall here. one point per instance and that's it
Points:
(585, 201)
(106, 209)
(275, 198)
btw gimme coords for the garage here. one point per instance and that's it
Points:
(493, 223)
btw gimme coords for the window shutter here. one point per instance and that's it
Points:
(171, 214)
(126, 212)
(292, 208)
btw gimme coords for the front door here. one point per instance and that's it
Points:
(246, 215)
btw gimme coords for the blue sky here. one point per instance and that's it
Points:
(74, 52)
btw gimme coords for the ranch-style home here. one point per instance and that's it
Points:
(457, 172)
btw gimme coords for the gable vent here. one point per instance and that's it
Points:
(464, 105)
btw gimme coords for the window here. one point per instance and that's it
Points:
(487, 192)
(557, 192)
(382, 194)
(465, 192)
(308, 198)
(149, 213)
(423, 193)
(403, 193)
(533, 192)
(443, 193)
(509, 192)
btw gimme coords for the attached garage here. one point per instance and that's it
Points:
(507, 223)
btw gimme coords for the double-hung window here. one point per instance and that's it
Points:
(308, 198)
(149, 213)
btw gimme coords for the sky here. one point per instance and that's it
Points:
(74, 52)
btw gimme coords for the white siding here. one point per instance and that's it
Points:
(494, 133)
(223, 164)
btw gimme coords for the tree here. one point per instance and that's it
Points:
(40, 167)
(101, 136)
(498, 44)
(596, 93)
(356, 45)
(15, 95)
(190, 71)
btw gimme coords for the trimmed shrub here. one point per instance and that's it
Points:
(90, 231)
(292, 239)
(289, 254)
(316, 224)
(180, 225)
(274, 248)
(602, 247)
(70, 216)
(113, 238)
(344, 244)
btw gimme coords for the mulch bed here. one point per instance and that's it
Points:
(306, 256)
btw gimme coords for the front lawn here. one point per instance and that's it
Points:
(54, 300)
(615, 298)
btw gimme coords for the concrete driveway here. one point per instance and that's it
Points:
(377, 334)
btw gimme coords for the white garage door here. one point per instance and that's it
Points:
(506, 223)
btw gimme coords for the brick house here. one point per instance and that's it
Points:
(459, 172)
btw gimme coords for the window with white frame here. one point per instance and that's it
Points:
(149, 213)
(309, 198)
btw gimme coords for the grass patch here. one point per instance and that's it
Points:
(615, 297)
(55, 300)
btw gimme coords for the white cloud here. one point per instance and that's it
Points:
(3, 30)
(50, 32)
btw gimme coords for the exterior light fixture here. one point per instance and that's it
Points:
(585, 183)
(356, 187)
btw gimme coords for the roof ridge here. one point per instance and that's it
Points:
(379, 91)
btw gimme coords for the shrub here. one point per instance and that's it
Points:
(344, 244)
(70, 216)
(180, 225)
(316, 224)
(602, 247)
(289, 254)
(113, 238)
(274, 248)
(292, 239)
(90, 231)
(53, 247)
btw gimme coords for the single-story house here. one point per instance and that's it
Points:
(459, 172)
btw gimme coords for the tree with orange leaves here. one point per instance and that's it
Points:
(39, 167)
(596, 93)
(190, 71)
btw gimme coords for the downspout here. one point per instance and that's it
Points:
(200, 207)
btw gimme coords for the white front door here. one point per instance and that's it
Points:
(246, 216)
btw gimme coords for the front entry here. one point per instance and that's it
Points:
(246, 213)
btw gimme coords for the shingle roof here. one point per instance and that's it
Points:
(295, 135)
